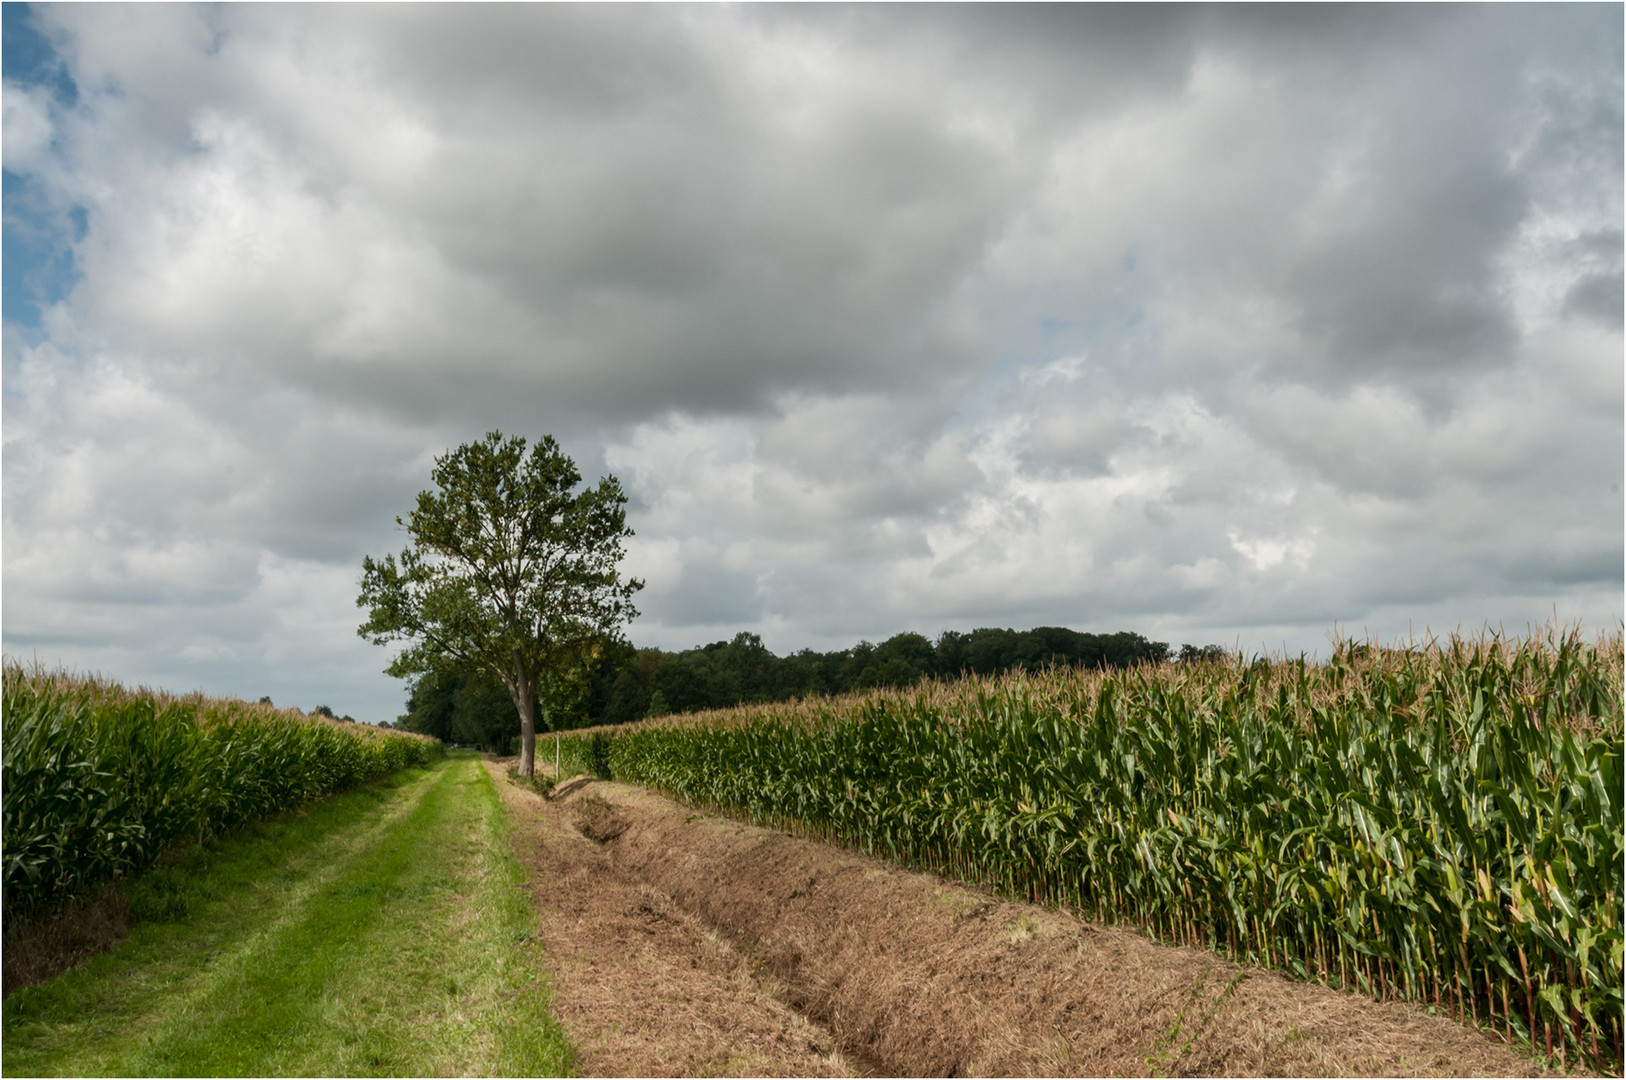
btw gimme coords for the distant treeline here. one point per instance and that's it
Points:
(627, 683)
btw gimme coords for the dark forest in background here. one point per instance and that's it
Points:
(626, 683)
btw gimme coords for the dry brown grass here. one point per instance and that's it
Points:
(642, 986)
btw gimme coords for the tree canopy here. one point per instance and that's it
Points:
(626, 684)
(510, 571)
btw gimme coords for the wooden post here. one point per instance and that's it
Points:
(556, 755)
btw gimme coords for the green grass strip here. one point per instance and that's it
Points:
(387, 932)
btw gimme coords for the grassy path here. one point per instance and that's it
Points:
(385, 933)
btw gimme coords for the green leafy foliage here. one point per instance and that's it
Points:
(510, 570)
(98, 781)
(1440, 825)
(463, 707)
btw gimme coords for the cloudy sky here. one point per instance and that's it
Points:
(1224, 325)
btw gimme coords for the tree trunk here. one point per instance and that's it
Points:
(525, 702)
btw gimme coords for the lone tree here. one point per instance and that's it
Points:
(510, 569)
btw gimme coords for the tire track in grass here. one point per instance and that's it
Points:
(404, 951)
(464, 996)
(82, 1021)
(266, 1008)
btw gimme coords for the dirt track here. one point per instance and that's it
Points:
(687, 944)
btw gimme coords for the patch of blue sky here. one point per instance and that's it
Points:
(37, 266)
(28, 58)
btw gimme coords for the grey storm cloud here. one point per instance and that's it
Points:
(1219, 323)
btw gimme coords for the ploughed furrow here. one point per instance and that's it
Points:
(643, 987)
(906, 974)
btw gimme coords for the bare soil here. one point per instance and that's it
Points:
(683, 943)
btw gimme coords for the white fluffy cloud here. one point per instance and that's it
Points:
(1217, 325)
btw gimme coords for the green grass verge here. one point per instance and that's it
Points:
(384, 932)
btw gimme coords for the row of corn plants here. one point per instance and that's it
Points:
(1440, 824)
(100, 780)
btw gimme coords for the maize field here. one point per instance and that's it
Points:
(1438, 824)
(100, 780)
